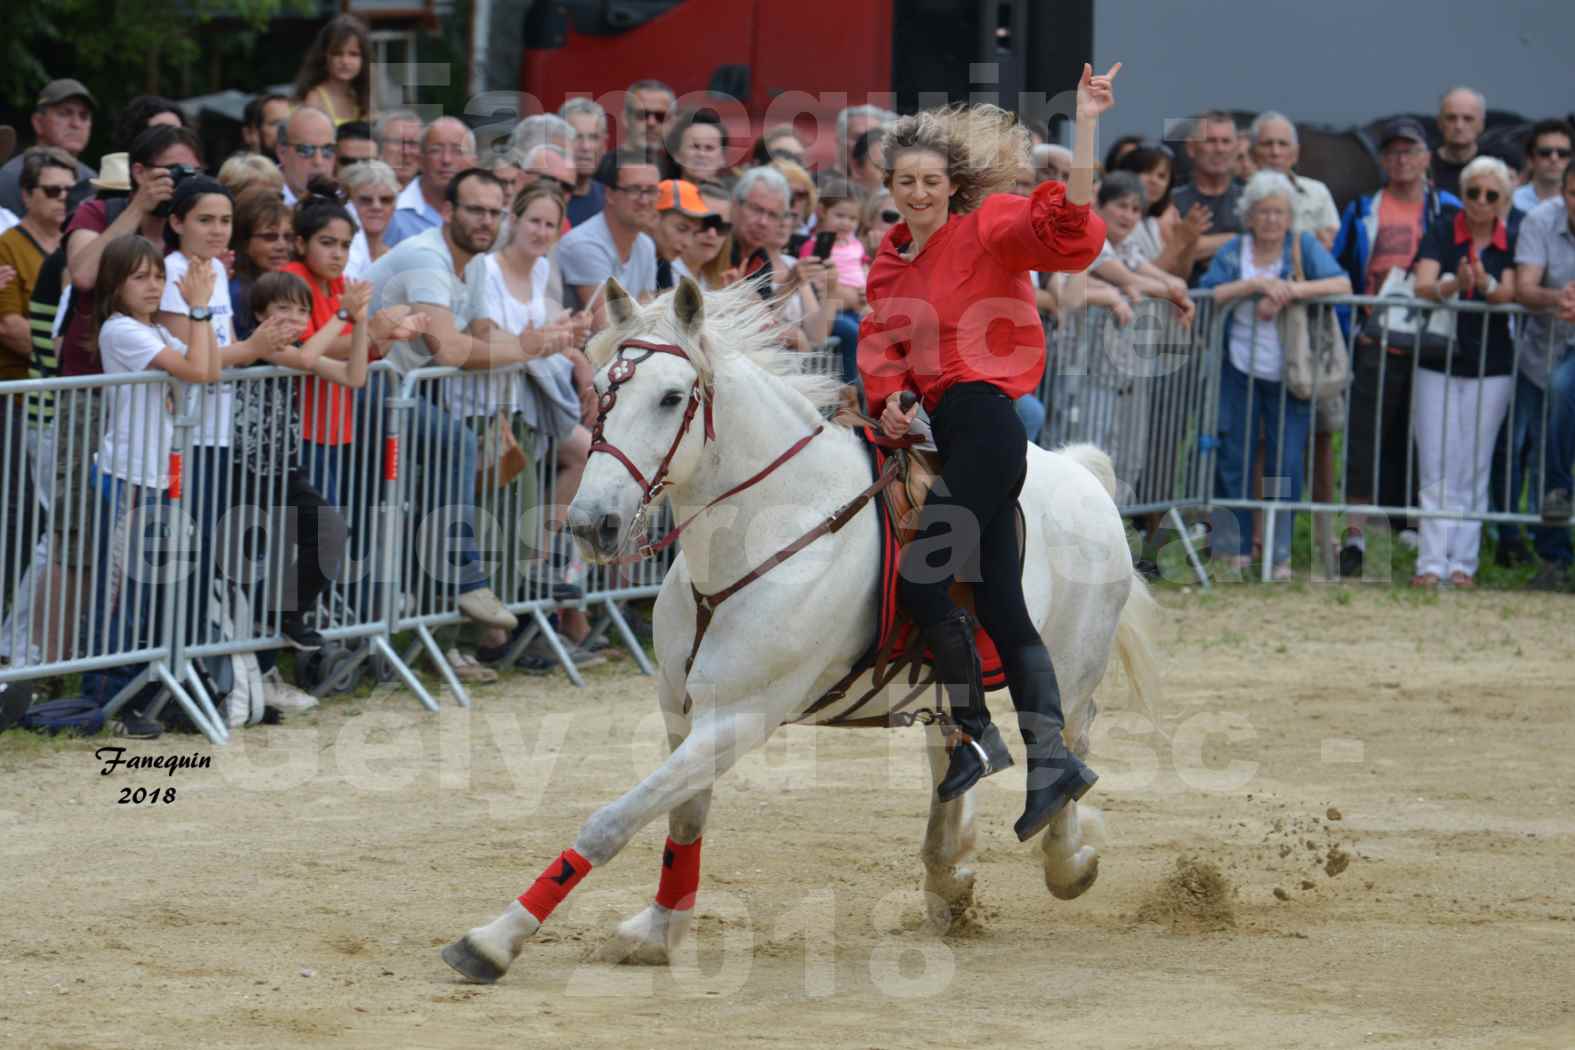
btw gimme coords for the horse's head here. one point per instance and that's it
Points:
(655, 381)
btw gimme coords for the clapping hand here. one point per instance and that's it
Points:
(394, 324)
(275, 334)
(1197, 222)
(196, 286)
(1095, 94)
(355, 299)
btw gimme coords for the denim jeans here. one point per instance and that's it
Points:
(846, 329)
(1031, 411)
(128, 591)
(1239, 424)
(449, 450)
(1553, 543)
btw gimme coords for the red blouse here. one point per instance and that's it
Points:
(963, 311)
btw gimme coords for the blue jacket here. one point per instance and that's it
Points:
(1353, 245)
(1225, 267)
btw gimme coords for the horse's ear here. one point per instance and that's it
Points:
(689, 306)
(620, 308)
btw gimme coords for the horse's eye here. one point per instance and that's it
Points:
(672, 399)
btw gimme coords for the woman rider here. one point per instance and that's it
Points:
(953, 320)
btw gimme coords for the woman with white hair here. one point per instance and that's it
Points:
(1259, 265)
(373, 188)
(1460, 400)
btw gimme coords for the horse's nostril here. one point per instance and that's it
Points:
(611, 526)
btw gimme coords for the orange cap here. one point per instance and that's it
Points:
(685, 196)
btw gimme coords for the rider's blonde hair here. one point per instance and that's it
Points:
(984, 145)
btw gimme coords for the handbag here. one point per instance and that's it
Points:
(1317, 361)
(1410, 326)
(502, 458)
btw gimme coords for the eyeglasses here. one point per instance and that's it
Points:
(764, 213)
(717, 224)
(639, 193)
(406, 145)
(891, 215)
(1546, 152)
(54, 193)
(476, 211)
(651, 116)
(308, 152)
(368, 202)
(269, 238)
(446, 151)
(1478, 193)
(563, 185)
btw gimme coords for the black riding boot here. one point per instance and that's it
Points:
(1055, 775)
(980, 750)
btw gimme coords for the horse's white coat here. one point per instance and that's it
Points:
(779, 643)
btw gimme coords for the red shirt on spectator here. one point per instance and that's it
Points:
(963, 310)
(79, 338)
(327, 409)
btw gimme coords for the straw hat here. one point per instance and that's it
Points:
(114, 173)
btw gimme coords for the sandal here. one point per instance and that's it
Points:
(1462, 581)
(468, 669)
(1425, 581)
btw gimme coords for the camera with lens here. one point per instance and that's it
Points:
(178, 174)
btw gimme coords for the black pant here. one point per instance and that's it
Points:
(1381, 420)
(968, 527)
(312, 529)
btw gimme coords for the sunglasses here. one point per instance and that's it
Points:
(309, 152)
(269, 238)
(54, 193)
(369, 202)
(890, 215)
(1553, 151)
(659, 116)
(642, 193)
(1478, 193)
(716, 224)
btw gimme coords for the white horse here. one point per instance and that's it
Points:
(783, 640)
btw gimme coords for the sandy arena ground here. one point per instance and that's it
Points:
(1382, 783)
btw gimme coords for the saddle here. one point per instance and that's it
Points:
(898, 647)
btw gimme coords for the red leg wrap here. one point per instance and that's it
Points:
(680, 876)
(554, 884)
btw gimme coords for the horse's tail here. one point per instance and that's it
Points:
(1139, 623)
(1093, 459)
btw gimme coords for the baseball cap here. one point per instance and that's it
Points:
(60, 90)
(683, 196)
(1403, 128)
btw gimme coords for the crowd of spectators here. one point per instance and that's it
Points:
(340, 236)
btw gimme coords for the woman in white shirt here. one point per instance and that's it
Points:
(134, 457)
(551, 396)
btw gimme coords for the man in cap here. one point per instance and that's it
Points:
(1378, 234)
(680, 211)
(62, 117)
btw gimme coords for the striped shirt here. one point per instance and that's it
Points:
(41, 311)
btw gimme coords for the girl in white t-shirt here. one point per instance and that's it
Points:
(133, 466)
(201, 220)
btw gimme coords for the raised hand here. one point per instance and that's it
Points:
(1095, 94)
(196, 287)
(357, 295)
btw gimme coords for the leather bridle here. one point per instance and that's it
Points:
(702, 394)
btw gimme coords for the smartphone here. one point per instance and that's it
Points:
(824, 240)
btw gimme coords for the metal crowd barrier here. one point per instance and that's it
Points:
(161, 550)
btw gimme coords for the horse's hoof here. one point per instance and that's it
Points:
(1086, 863)
(471, 963)
(947, 898)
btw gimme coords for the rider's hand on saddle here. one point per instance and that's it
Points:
(894, 422)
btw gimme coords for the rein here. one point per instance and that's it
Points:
(706, 605)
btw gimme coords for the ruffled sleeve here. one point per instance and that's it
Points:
(1041, 231)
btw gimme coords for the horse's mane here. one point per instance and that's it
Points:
(738, 325)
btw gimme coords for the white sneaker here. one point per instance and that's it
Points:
(483, 607)
(284, 697)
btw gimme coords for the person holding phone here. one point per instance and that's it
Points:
(965, 239)
(836, 242)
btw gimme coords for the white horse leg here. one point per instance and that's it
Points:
(711, 749)
(649, 938)
(1071, 864)
(948, 842)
